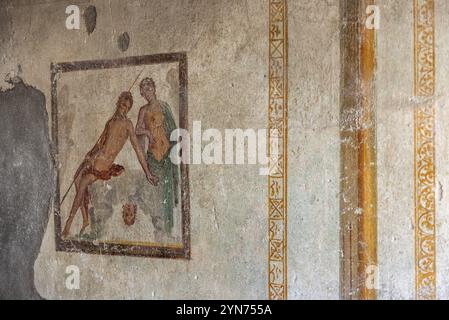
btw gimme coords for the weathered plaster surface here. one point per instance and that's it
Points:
(314, 150)
(394, 88)
(227, 48)
(227, 89)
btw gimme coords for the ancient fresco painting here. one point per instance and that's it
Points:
(118, 190)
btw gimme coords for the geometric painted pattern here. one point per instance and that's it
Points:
(277, 149)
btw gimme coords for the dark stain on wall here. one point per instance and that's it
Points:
(26, 187)
(90, 18)
(123, 41)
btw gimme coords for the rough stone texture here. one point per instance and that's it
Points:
(26, 188)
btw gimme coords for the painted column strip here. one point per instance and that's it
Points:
(277, 149)
(358, 200)
(424, 148)
(367, 162)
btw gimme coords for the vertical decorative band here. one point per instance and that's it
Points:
(424, 148)
(358, 196)
(367, 158)
(277, 149)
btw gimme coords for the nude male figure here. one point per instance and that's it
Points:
(99, 162)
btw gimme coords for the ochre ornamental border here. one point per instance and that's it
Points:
(424, 149)
(277, 127)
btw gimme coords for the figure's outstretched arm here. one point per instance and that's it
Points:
(140, 156)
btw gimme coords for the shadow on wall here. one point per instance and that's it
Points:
(26, 187)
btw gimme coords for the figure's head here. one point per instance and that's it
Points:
(148, 89)
(124, 102)
(129, 213)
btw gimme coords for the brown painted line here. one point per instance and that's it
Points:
(120, 62)
(121, 250)
(367, 162)
(14, 4)
(54, 150)
(142, 243)
(185, 179)
(358, 230)
(349, 48)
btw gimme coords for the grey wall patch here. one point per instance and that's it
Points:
(90, 18)
(123, 41)
(26, 187)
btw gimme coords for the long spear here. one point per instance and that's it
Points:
(77, 174)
